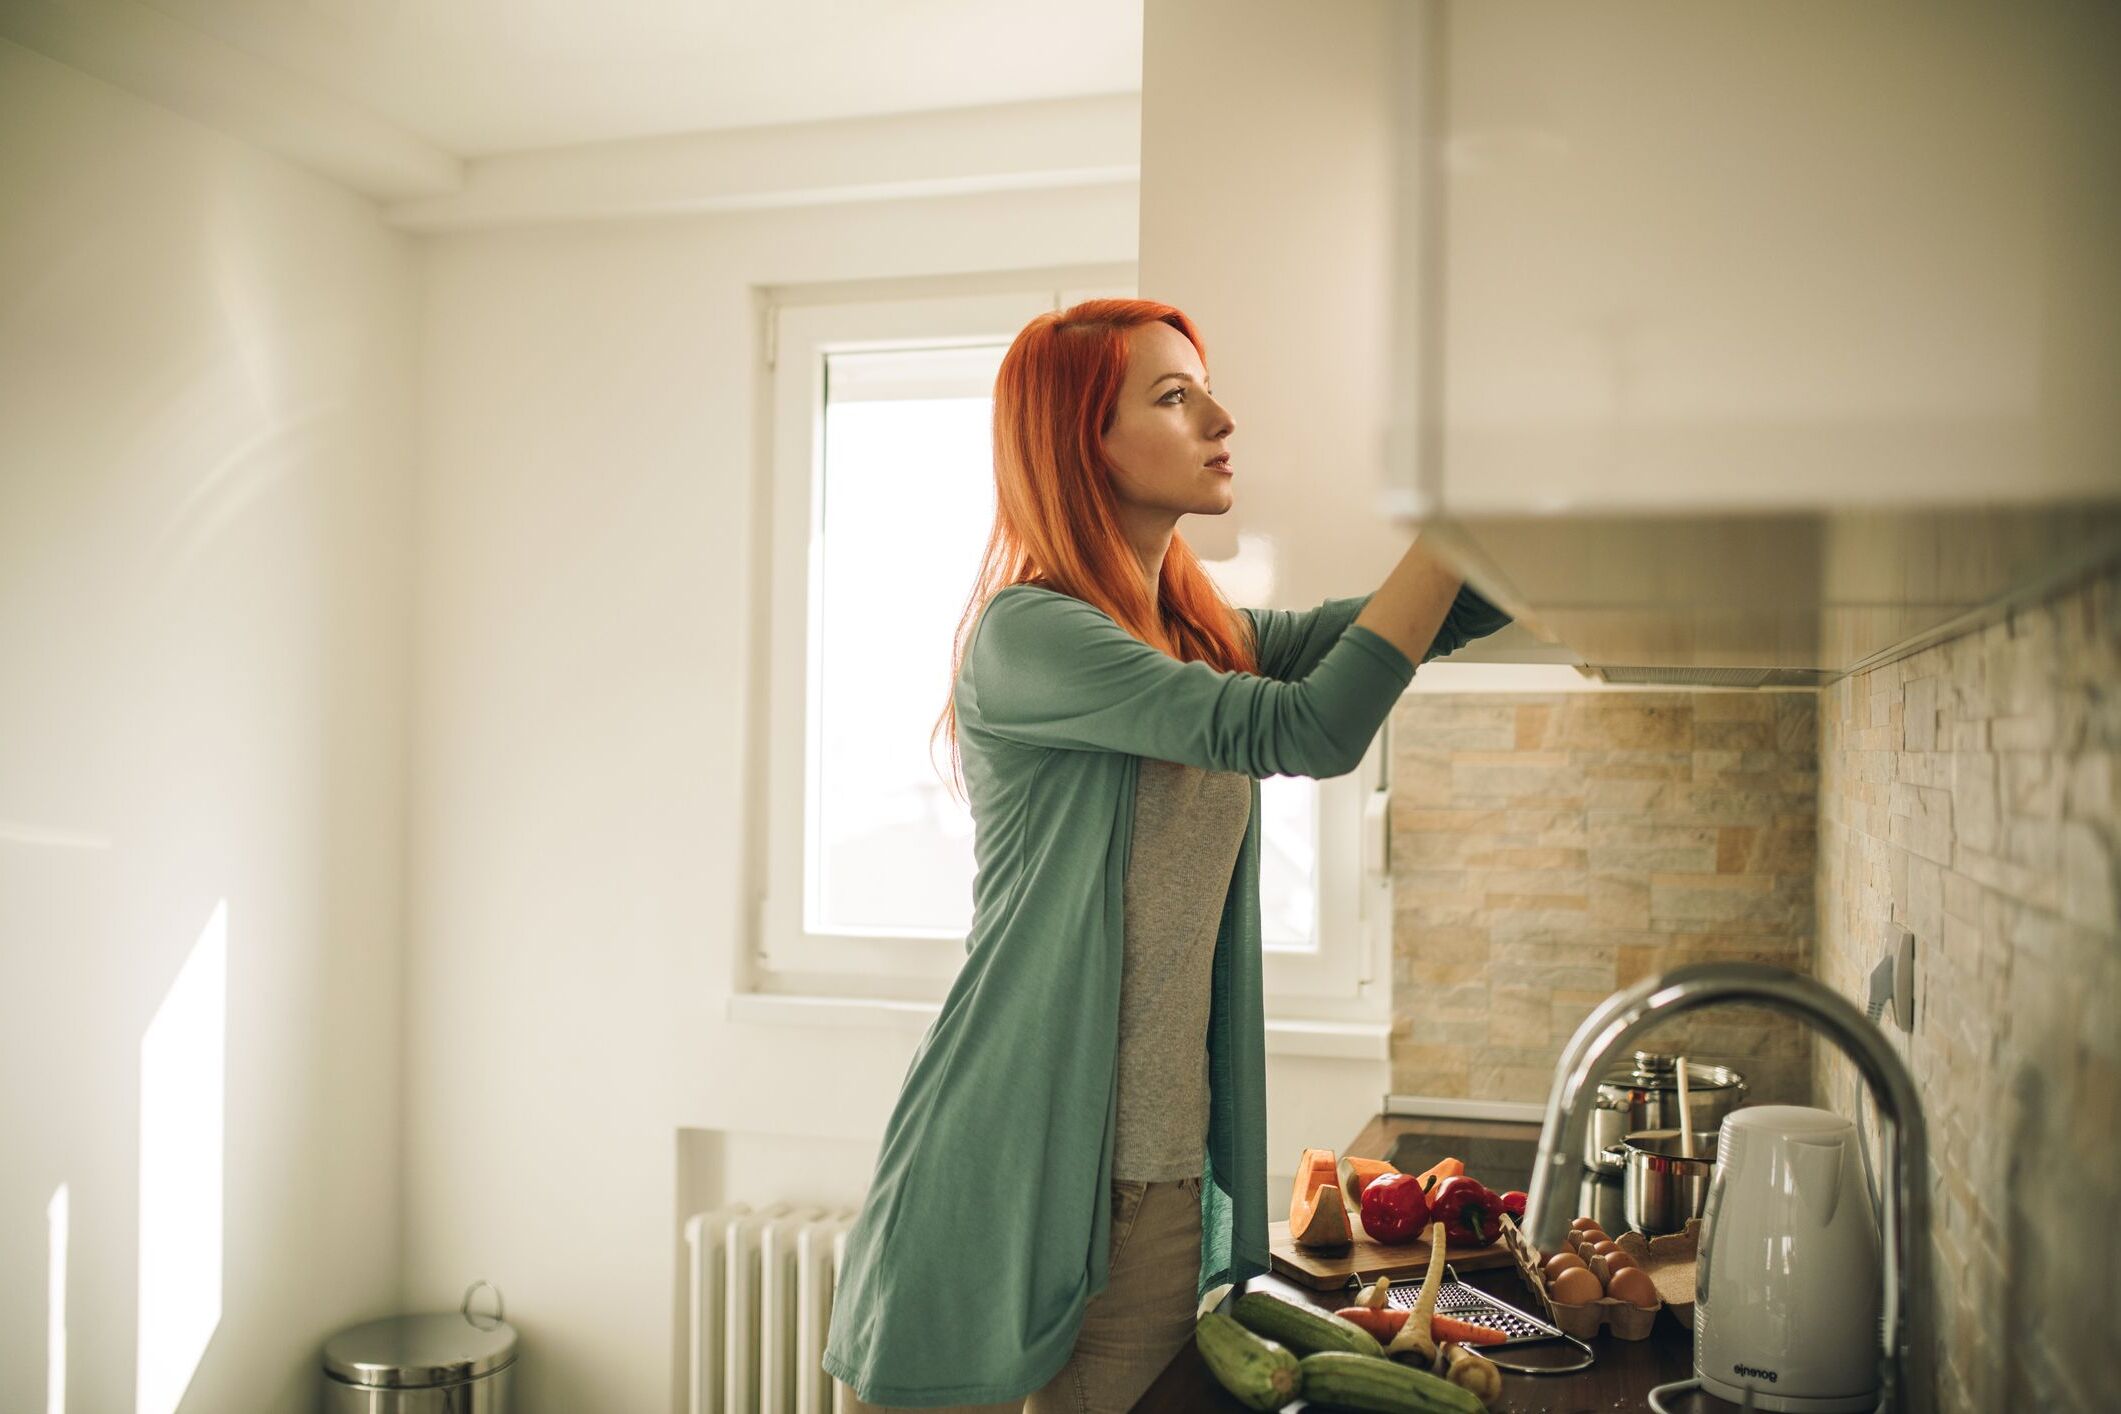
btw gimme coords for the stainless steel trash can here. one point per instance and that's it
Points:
(460, 1363)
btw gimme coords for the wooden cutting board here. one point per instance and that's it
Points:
(1368, 1260)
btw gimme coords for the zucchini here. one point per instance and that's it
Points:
(1333, 1379)
(1301, 1329)
(1260, 1373)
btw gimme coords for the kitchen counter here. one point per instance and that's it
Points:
(1498, 1153)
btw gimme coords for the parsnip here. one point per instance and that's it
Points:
(1212, 1300)
(1472, 1372)
(1414, 1335)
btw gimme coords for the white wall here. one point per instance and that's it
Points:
(204, 500)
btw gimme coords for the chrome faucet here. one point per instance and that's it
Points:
(1610, 1032)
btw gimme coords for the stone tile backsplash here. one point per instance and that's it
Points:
(1550, 849)
(1547, 850)
(1967, 794)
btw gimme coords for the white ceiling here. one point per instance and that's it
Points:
(477, 77)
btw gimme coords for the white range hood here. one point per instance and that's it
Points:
(1770, 600)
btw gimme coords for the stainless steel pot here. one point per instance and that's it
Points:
(1661, 1187)
(1644, 1094)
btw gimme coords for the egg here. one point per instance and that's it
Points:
(1593, 1233)
(1576, 1286)
(1561, 1262)
(1633, 1285)
(1618, 1258)
(1601, 1248)
(1581, 1223)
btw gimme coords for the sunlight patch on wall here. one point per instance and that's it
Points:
(183, 1057)
(56, 1218)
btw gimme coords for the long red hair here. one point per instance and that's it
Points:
(1055, 517)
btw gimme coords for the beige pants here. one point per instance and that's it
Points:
(1135, 1325)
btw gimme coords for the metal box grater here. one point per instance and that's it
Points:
(1469, 1303)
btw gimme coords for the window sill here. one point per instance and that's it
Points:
(1321, 1040)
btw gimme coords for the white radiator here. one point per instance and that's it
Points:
(761, 1289)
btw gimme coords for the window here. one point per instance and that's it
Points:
(881, 499)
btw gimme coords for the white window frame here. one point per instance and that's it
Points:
(1349, 974)
(1346, 977)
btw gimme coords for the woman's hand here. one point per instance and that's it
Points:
(1409, 607)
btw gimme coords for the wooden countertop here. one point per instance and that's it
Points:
(1625, 1372)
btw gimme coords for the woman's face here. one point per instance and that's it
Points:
(1166, 430)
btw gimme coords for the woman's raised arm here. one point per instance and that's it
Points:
(1411, 607)
(1045, 669)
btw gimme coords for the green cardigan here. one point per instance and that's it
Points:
(986, 1227)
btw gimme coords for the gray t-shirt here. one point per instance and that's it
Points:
(1188, 826)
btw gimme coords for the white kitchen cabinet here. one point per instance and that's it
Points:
(1763, 256)
(1759, 335)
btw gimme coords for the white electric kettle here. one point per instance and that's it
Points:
(1787, 1285)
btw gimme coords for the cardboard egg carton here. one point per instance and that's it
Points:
(1668, 1260)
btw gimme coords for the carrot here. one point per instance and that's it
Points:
(1382, 1324)
(1464, 1332)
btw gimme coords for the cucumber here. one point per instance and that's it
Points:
(1301, 1329)
(1334, 1379)
(1261, 1373)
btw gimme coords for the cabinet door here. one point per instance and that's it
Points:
(1770, 256)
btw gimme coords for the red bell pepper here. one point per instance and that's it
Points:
(1513, 1204)
(1467, 1211)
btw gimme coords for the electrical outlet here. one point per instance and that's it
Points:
(1881, 998)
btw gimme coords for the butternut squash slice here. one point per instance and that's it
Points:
(1355, 1175)
(1318, 1213)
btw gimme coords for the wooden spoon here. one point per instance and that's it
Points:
(1686, 1116)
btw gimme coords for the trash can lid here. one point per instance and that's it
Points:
(408, 1352)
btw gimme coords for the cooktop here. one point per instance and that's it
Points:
(1499, 1153)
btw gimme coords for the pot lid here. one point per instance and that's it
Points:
(1647, 1070)
(408, 1352)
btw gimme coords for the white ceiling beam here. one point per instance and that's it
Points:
(189, 72)
(1065, 142)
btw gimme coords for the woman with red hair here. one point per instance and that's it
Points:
(1078, 1150)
